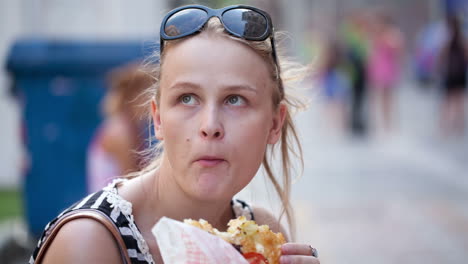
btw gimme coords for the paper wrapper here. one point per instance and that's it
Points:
(180, 243)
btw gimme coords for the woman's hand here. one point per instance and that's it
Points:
(295, 253)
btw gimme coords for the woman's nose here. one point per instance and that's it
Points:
(211, 125)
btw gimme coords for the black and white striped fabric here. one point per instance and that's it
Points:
(109, 202)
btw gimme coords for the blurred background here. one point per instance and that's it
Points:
(385, 139)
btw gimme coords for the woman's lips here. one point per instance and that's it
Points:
(209, 161)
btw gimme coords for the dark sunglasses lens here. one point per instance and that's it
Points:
(245, 23)
(185, 22)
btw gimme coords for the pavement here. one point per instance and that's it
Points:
(387, 198)
(16, 245)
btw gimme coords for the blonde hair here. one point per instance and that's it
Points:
(289, 144)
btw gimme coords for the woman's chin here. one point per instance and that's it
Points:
(211, 187)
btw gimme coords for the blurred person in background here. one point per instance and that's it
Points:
(335, 84)
(355, 37)
(221, 106)
(429, 42)
(453, 64)
(384, 67)
(123, 133)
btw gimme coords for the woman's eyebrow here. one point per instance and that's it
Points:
(236, 88)
(230, 88)
(184, 85)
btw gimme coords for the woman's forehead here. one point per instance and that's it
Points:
(215, 59)
(207, 43)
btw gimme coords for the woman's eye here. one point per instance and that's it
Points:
(188, 99)
(235, 100)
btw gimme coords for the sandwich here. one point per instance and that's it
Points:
(258, 244)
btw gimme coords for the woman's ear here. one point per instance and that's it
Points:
(278, 122)
(158, 131)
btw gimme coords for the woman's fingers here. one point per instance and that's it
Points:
(297, 259)
(297, 249)
(295, 253)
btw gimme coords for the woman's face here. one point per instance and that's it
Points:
(215, 115)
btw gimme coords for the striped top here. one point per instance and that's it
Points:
(119, 211)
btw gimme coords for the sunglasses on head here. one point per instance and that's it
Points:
(241, 21)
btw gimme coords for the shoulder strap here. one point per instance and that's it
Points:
(91, 214)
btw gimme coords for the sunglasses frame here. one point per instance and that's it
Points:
(219, 14)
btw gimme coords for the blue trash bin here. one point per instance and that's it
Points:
(60, 85)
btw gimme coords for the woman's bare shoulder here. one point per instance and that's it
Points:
(265, 217)
(83, 241)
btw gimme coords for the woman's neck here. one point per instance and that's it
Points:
(166, 198)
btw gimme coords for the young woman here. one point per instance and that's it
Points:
(383, 69)
(219, 107)
(453, 61)
(123, 131)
